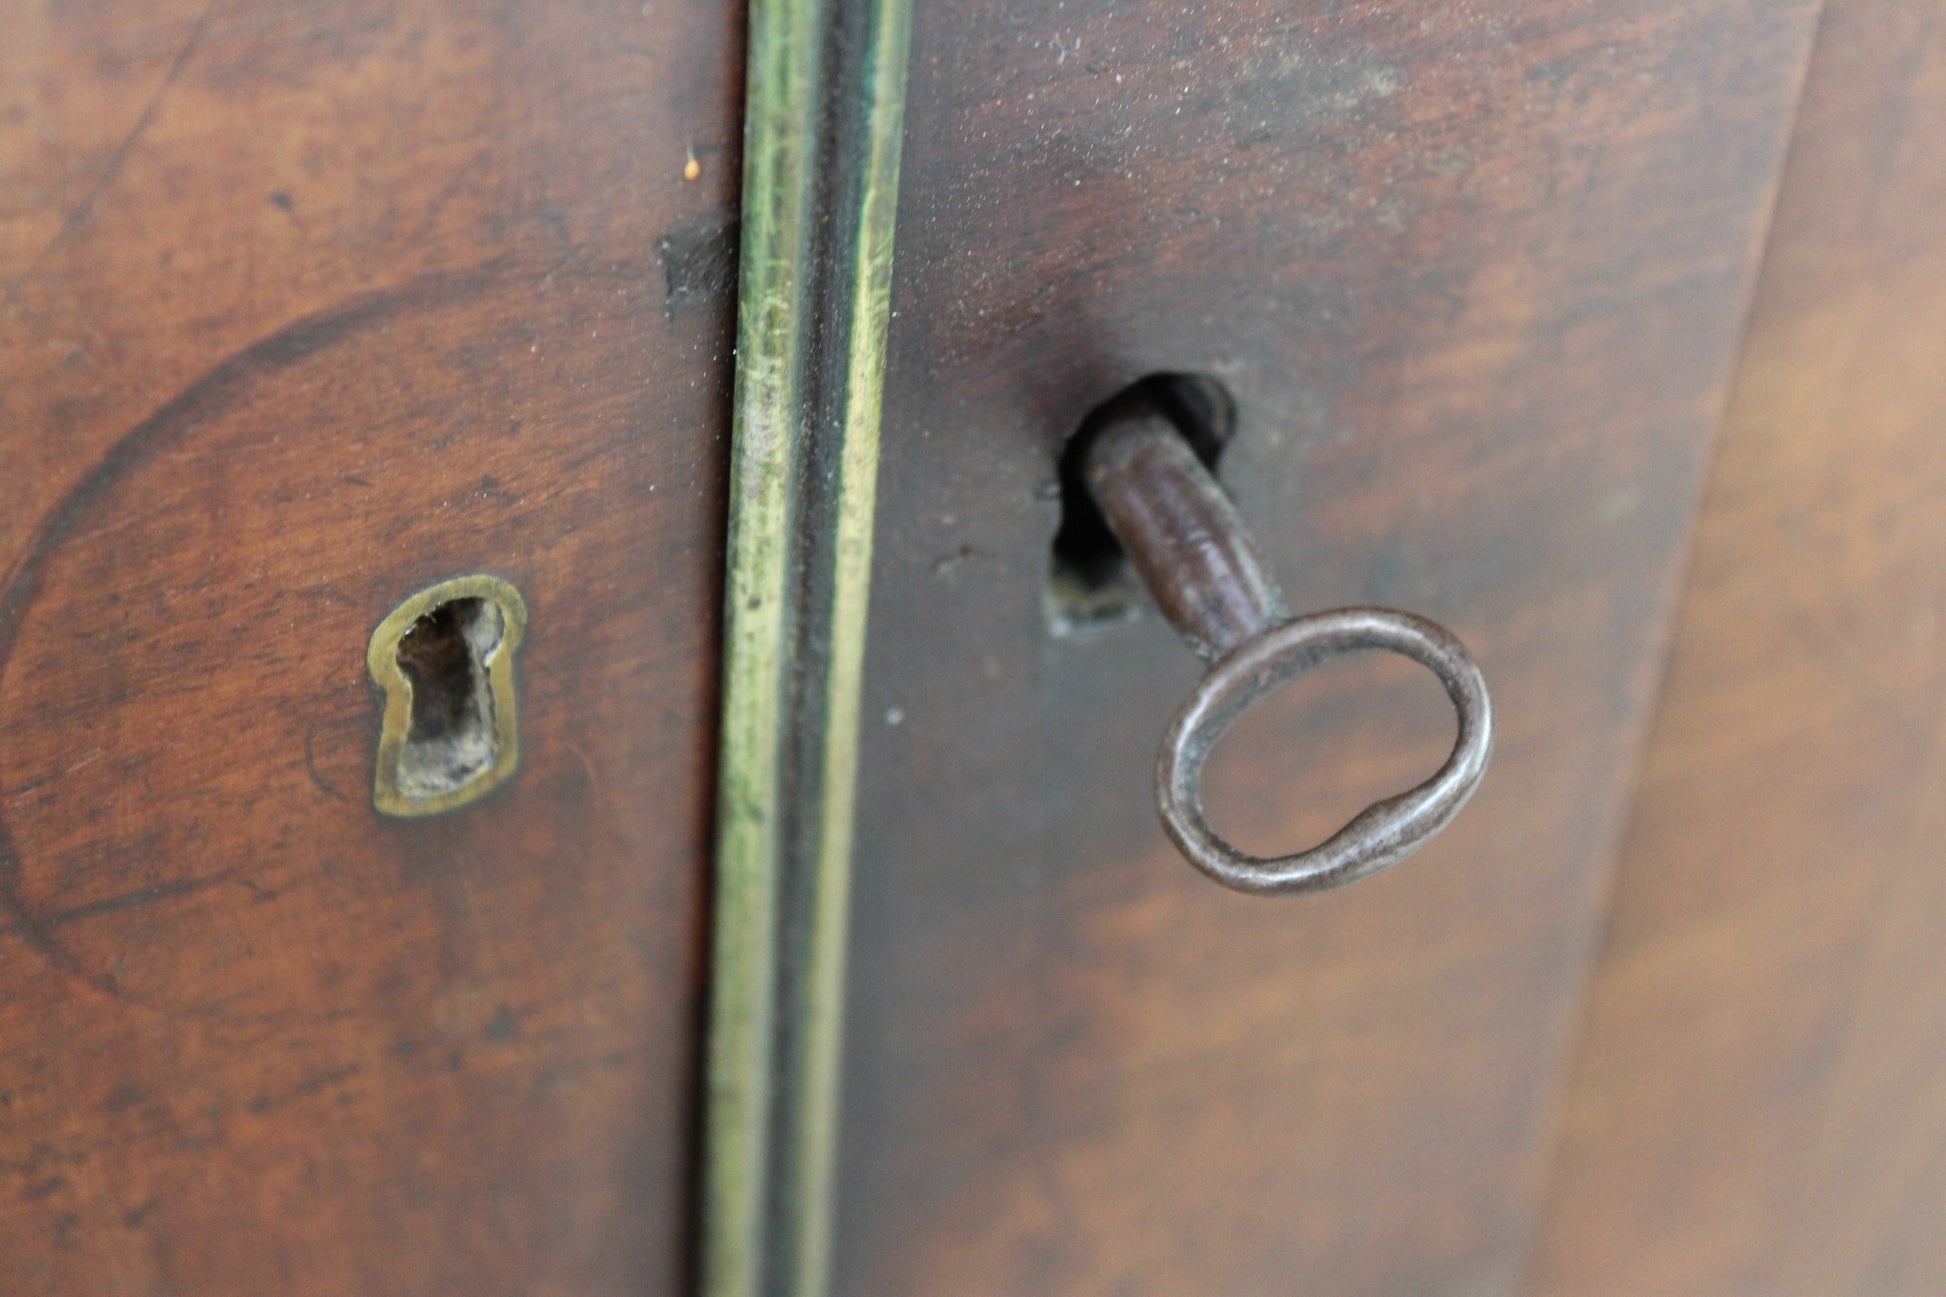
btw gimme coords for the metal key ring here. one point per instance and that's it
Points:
(1379, 836)
(1186, 541)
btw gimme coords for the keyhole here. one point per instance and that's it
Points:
(1089, 585)
(444, 657)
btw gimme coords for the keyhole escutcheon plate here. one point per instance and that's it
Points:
(444, 658)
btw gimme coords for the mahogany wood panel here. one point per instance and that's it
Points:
(305, 308)
(1474, 276)
(1759, 1097)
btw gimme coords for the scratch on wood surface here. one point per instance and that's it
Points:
(119, 158)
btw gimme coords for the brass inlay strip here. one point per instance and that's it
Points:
(819, 193)
(821, 1021)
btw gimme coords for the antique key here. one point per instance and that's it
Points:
(1186, 541)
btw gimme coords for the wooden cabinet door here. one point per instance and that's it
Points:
(1474, 277)
(307, 307)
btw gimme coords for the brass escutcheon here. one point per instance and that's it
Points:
(445, 659)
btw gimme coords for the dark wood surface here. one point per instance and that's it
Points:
(307, 307)
(1475, 277)
(304, 308)
(1759, 1099)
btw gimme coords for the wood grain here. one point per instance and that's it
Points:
(307, 307)
(1475, 276)
(1759, 1098)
